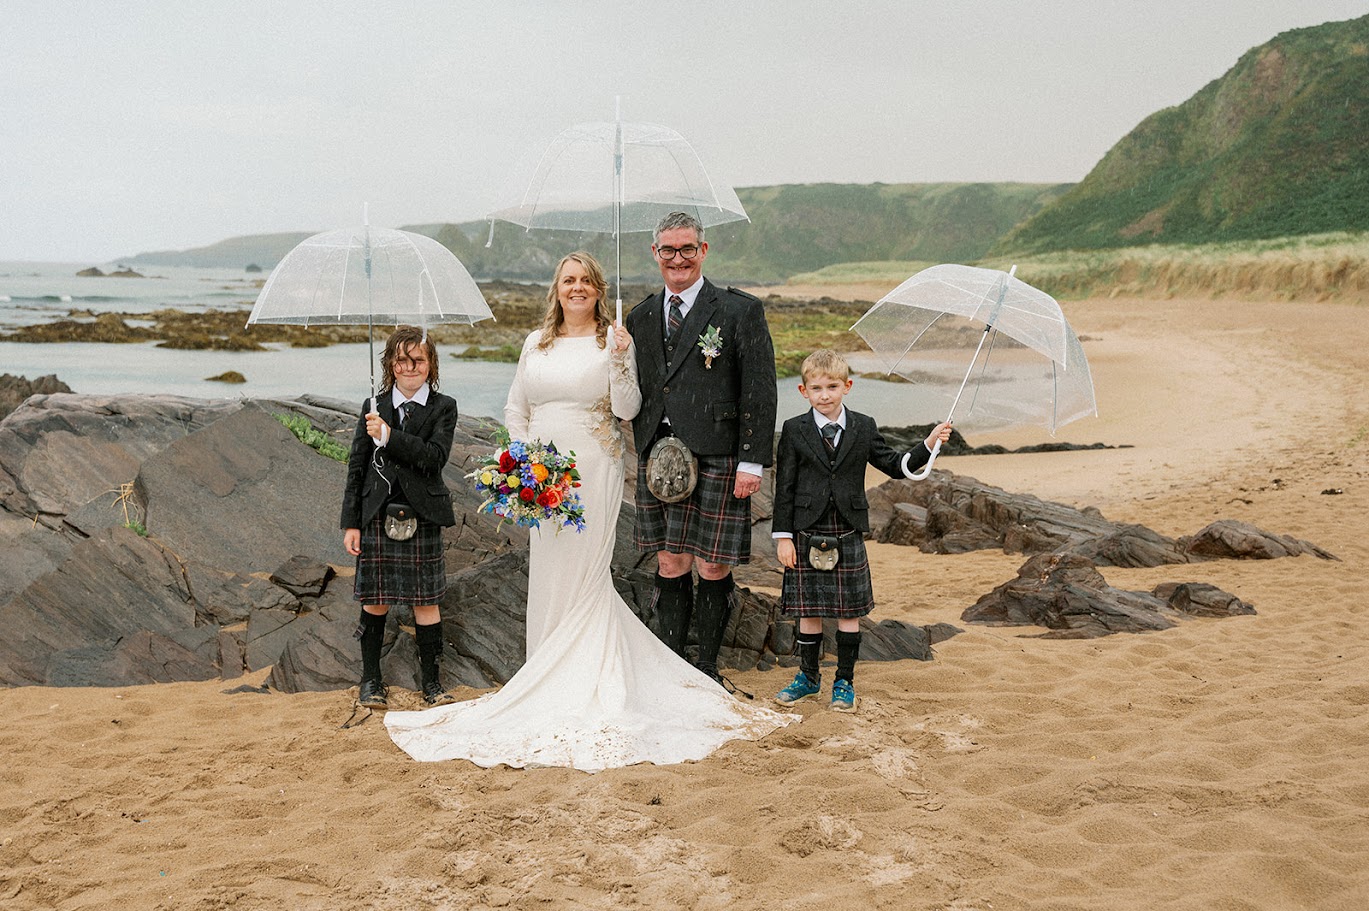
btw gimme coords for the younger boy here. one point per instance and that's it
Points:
(821, 511)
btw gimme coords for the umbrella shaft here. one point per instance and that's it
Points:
(974, 360)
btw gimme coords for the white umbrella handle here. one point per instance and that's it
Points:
(925, 470)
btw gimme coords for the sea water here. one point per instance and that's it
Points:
(36, 293)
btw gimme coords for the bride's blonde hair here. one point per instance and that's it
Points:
(556, 318)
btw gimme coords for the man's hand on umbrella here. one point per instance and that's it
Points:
(940, 434)
(377, 428)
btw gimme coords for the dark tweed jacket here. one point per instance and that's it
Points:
(808, 477)
(727, 409)
(414, 458)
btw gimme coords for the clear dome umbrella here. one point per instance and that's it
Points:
(366, 275)
(616, 177)
(1026, 367)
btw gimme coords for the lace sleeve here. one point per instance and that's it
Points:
(517, 408)
(626, 395)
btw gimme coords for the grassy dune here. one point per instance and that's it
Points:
(1312, 267)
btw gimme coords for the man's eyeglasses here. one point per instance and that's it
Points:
(688, 252)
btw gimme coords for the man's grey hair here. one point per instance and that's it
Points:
(678, 220)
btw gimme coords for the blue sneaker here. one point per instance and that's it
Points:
(802, 687)
(843, 696)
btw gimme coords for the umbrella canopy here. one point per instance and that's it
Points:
(1026, 368)
(369, 275)
(611, 177)
(364, 276)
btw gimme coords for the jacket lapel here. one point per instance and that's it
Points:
(705, 305)
(813, 438)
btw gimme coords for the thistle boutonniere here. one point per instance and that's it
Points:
(711, 344)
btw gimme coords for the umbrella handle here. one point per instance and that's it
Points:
(925, 470)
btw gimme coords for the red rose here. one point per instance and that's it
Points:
(526, 494)
(507, 463)
(550, 498)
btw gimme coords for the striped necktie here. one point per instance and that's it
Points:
(676, 317)
(829, 435)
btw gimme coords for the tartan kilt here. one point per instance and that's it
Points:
(412, 572)
(712, 524)
(845, 591)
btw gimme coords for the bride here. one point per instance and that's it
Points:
(598, 689)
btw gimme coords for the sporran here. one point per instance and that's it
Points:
(671, 470)
(401, 522)
(823, 551)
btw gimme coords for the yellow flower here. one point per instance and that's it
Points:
(487, 478)
(513, 482)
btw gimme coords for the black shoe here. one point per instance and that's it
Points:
(711, 670)
(372, 694)
(434, 694)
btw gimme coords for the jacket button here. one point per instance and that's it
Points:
(666, 390)
(746, 446)
(747, 416)
(748, 431)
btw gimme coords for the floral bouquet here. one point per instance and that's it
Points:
(530, 483)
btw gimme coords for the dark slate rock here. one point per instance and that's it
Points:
(303, 576)
(58, 452)
(1201, 600)
(141, 657)
(108, 588)
(31, 550)
(1230, 539)
(243, 494)
(323, 653)
(485, 621)
(964, 514)
(1131, 545)
(14, 389)
(1067, 594)
(227, 598)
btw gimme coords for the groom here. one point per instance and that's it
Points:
(706, 367)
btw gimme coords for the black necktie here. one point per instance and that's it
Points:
(676, 317)
(406, 411)
(829, 435)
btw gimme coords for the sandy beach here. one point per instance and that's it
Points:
(1217, 766)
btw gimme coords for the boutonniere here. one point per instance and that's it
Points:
(711, 344)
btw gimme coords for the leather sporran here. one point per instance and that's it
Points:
(671, 470)
(823, 551)
(401, 522)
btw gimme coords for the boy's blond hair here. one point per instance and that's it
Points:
(825, 362)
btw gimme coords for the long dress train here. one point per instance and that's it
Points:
(598, 689)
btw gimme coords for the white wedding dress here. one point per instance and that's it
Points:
(598, 689)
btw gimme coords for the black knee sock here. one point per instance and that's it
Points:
(848, 650)
(810, 655)
(714, 607)
(371, 632)
(429, 650)
(673, 605)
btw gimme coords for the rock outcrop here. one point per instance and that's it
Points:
(161, 538)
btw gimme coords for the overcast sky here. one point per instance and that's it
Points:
(167, 124)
